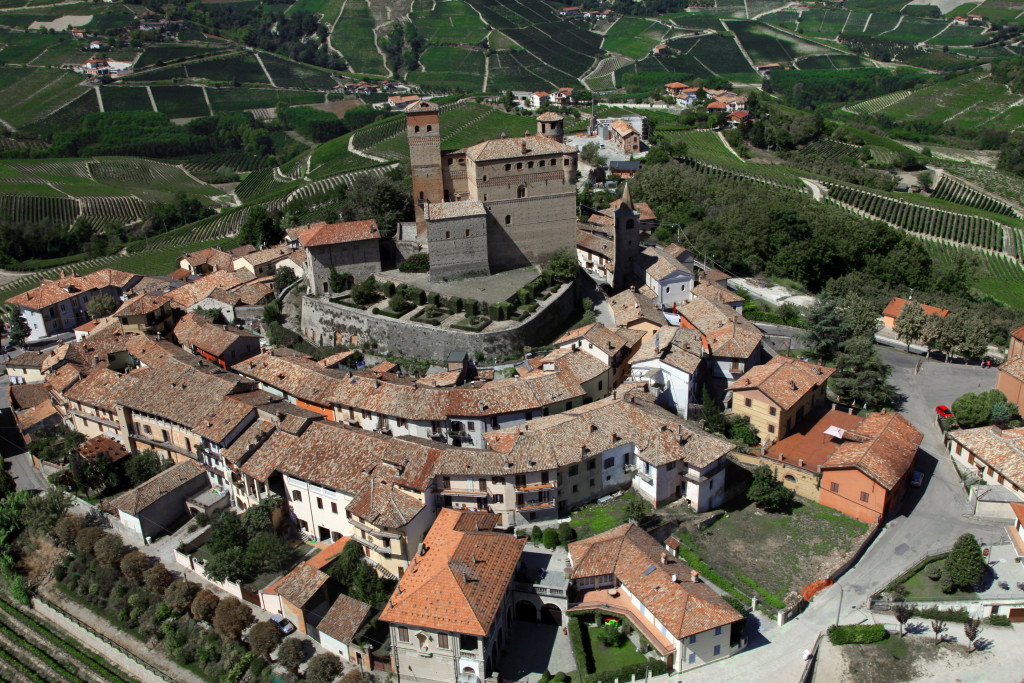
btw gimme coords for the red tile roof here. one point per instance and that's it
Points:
(344, 619)
(896, 305)
(149, 492)
(783, 380)
(322, 233)
(635, 558)
(50, 292)
(459, 581)
(886, 452)
(300, 584)
(102, 445)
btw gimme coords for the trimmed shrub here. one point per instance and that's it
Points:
(998, 620)
(470, 307)
(857, 634)
(417, 263)
(956, 615)
(550, 538)
(935, 573)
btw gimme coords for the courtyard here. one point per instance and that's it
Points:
(490, 288)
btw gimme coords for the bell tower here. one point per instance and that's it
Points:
(550, 124)
(423, 129)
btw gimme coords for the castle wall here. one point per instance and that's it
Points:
(458, 247)
(529, 230)
(360, 259)
(329, 323)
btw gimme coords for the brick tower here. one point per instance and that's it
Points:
(423, 128)
(550, 124)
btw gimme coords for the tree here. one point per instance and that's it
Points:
(179, 595)
(636, 509)
(861, 375)
(565, 533)
(42, 512)
(102, 305)
(768, 493)
(109, 550)
(233, 563)
(142, 467)
(550, 538)
(283, 277)
(972, 627)
(264, 637)
(902, 611)
(931, 332)
(157, 578)
(291, 654)
(260, 517)
(591, 154)
(952, 335)
(365, 292)
(230, 618)
(337, 282)
(7, 484)
(974, 343)
(938, 626)
(134, 565)
(974, 410)
(204, 606)
(267, 550)
(19, 330)
(227, 533)
(67, 529)
(260, 229)
(965, 563)
(910, 323)
(323, 668)
(564, 265)
(87, 538)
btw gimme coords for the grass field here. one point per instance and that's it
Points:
(180, 101)
(28, 94)
(450, 67)
(765, 44)
(238, 99)
(599, 517)
(634, 37)
(450, 23)
(958, 35)
(355, 39)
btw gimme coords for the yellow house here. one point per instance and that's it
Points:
(778, 395)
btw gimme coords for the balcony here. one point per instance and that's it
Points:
(374, 547)
(166, 445)
(647, 479)
(372, 530)
(96, 418)
(537, 486)
(535, 505)
(538, 589)
(476, 493)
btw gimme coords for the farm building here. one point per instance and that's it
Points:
(518, 196)
(895, 306)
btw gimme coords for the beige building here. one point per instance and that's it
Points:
(520, 194)
(352, 248)
(778, 395)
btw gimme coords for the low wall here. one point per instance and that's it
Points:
(330, 323)
(804, 483)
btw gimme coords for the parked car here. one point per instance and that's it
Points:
(917, 478)
(283, 624)
(943, 412)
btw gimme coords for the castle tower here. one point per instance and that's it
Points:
(626, 238)
(423, 128)
(550, 124)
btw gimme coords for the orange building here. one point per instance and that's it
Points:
(892, 311)
(866, 475)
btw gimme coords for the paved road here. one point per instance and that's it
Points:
(930, 519)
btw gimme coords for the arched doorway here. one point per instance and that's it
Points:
(549, 614)
(525, 611)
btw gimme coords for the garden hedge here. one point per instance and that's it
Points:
(857, 634)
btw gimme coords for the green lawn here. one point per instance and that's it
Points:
(611, 658)
(922, 589)
(597, 517)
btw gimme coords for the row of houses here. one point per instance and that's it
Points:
(718, 101)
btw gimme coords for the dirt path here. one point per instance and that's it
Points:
(352, 149)
(894, 27)
(265, 72)
(152, 101)
(487, 70)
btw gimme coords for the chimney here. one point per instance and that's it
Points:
(675, 578)
(800, 462)
(664, 558)
(524, 145)
(694, 576)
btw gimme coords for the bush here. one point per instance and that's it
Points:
(417, 263)
(611, 635)
(965, 563)
(768, 493)
(999, 620)
(957, 615)
(536, 535)
(550, 538)
(857, 634)
(946, 583)
(566, 533)
(935, 573)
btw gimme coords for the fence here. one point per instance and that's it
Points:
(96, 634)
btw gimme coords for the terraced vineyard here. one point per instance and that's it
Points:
(1000, 276)
(830, 148)
(877, 104)
(705, 150)
(992, 180)
(32, 649)
(260, 183)
(955, 227)
(355, 39)
(326, 184)
(952, 190)
(26, 208)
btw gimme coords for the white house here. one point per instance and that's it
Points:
(670, 361)
(669, 281)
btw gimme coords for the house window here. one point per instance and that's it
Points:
(442, 641)
(471, 426)
(747, 402)
(718, 632)
(693, 658)
(147, 429)
(485, 177)
(718, 650)
(592, 463)
(429, 128)
(575, 488)
(447, 234)
(529, 164)
(297, 496)
(864, 497)
(494, 422)
(498, 481)
(334, 508)
(771, 429)
(519, 166)
(508, 220)
(670, 466)
(450, 161)
(834, 487)
(467, 642)
(499, 497)
(609, 462)
(446, 482)
(693, 639)
(542, 163)
(403, 634)
(320, 503)
(773, 411)
(600, 385)
(508, 167)
(573, 470)
(529, 415)
(591, 483)
(467, 233)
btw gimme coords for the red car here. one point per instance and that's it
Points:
(943, 412)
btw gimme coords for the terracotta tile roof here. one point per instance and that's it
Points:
(1014, 368)
(63, 379)
(643, 208)
(607, 340)
(710, 290)
(216, 259)
(335, 359)
(549, 116)
(676, 85)
(728, 334)
(23, 396)
(149, 492)
(783, 380)
(226, 417)
(191, 294)
(582, 367)
(623, 128)
(440, 379)
(40, 414)
(886, 452)
(677, 252)
(50, 292)
(268, 255)
(247, 443)
(512, 148)
(896, 305)
(96, 389)
(98, 349)
(242, 250)
(658, 436)
(460, 580)
(629, 307)
(286, 416)
(715, 275)
(300, 584)
(152, 352)
(144, 303)
(658, 264)
(28, 360)
(323, 233)
(595, 243)
(444, 210)
(1003, 450)
(1018, 333)
(384, 505)
(344, 619)
(102, 445)
(635, 558)
(197, 330)
(676, 346)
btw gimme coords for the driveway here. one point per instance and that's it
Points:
(534, 648)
